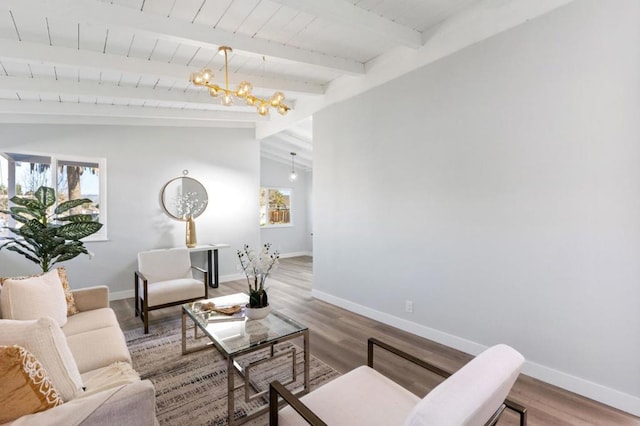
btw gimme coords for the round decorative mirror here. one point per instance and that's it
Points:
(183, 197)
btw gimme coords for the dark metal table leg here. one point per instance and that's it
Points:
(209, 269)
(216, 281)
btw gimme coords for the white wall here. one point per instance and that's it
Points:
(292, 240)
(140, 160)
(499, 190)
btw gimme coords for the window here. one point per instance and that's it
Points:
(71, 177)
(275, 206)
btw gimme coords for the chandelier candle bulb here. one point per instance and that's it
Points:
(263, 108)
(227, 100)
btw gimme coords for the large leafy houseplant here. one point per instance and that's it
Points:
(256, 267)
(47, 239)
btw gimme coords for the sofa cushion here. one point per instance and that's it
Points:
(45, 340)
(361, 397)
(98, 348)
(113, 375)
(68, 294)
(472, 394)
(25, 387)
(90, 320)
(162, 292)
(33, 298)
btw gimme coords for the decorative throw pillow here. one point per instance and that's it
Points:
(68, 295)
(46, 341)
(25, 387)
(33, 298)
(62, 273)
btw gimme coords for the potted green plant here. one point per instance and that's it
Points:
(44, 238)
(257, 267)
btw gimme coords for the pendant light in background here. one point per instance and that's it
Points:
(293, 176)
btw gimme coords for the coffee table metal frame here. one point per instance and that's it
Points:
(296, 331)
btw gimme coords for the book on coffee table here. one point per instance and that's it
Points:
(219, 316)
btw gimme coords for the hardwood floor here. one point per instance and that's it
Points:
(338, 337)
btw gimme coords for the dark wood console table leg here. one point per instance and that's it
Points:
(212, 267)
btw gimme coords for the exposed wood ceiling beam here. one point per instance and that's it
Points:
(344, 12)
(118, 121)
(291, 140)
(112, 111)
(93, 89)
(299, 133)
(278, 155)
(12, 85)
(163, 28)
(25, 52)
(279, 146)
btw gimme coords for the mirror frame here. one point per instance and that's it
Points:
(171, 212)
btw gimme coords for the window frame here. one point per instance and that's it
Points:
(101, 235)
(291, 214)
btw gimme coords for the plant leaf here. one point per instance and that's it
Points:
(67, 205)
(29, 203)
(71, 250)
(75, 218)
(70, 247)
(17, 218)
(46, 196)
(25, 212)
(78, 230)
(25, 254)
(66, 256)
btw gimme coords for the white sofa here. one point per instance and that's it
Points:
(91, 355)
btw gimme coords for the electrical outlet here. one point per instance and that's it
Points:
(408, 306)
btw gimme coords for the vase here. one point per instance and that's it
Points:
(257, 313)
(190, 237)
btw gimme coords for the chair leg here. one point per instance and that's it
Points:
(135, 292)
(146, 317)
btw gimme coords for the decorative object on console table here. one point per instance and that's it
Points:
(190, 239)
(184, 198)
(44, 238)
(256, 267)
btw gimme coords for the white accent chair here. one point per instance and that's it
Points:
(474, 395)
(164, 278)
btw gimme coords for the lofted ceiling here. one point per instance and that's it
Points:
(127, 62)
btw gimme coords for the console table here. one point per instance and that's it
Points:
(212, 260)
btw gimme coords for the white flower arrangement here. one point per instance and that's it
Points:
(257, 267)
(189, 205)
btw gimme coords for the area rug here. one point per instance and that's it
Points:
(192, 389)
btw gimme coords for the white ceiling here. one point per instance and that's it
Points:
(127, 62)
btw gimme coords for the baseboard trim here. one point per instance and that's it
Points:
(595, 391)
(119, 295)
(295, 254)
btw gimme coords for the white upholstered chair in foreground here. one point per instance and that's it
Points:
(164, 278)
(474, 395)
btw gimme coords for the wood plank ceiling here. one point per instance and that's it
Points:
(128, 61)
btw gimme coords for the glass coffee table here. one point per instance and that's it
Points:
(236, 335)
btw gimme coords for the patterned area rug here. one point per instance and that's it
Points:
(192, 389)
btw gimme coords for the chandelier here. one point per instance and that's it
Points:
(205, 75)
